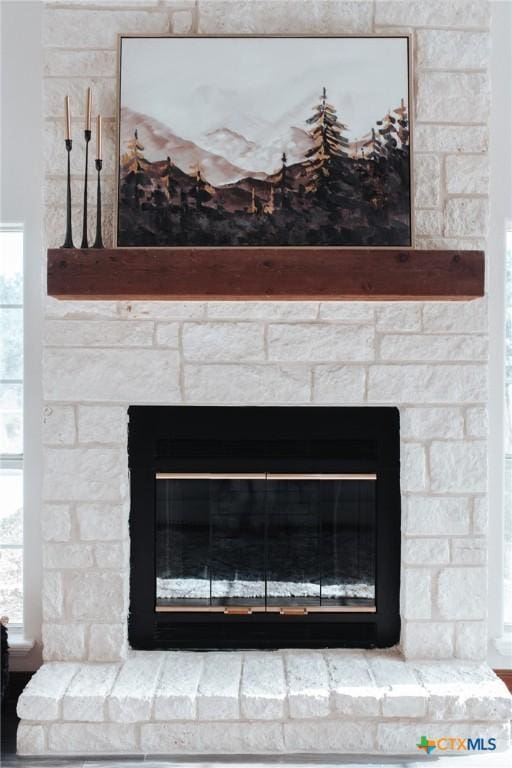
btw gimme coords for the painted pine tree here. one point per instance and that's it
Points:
(134, 154)
(329, 143)
(136, 182)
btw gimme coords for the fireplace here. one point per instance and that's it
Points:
(264, 527)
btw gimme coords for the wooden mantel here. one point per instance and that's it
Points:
(265, 273)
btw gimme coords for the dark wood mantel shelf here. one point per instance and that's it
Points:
(265, 273)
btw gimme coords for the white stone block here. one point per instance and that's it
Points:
(452, 97)
(107, 642)
(112, 554)
(42, 697)
(469, 551)
(452, 49)
(63, 63)
(401, 738)
(85, 474)
(428, 221)
(247, 384)
(417, 593)
(59, 425)
(56, 522)
(263, 688)
(84, 700)
(97, 333)
(55, 89)
(308, 685)
(436, 242)
(402, 694)
(262, 310)
(211, 738)
(416, 347)
(466, 216)
(399, 316)
(428, 640)
(464, 691)
(131, 699)
(462, 593)
(477, 424)
(102, 522)
(318, 342)
(428, 423)
(339, 383)
(426, 551)
(353, 690)
(458, 467)
(284, 16)
(30, 739)
(427, 181)
(53, 161)
(176, 694)
(416, 384)
(329, 736)
(480, 514)
(450, 138)
(52, 596)
(93, 739)
(115, 375)
(471, 640)
(162, 310)
(167, 335)
(79, 310)
(357, 312)
(181, 22)
(467, 174)
(63, 642)
(434, 13)
(455, 317)
(65, 555)
(64, 28)
(96, 595)
(219, 686)
(102, 424)
(435, 515)
(223, 342)
(413, 472)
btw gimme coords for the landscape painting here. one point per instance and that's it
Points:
(278, 141)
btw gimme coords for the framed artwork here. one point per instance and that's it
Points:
(264, 141)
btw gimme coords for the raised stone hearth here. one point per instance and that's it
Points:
(254, 702)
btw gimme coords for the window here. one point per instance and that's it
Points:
(11, 423)
(508, 435)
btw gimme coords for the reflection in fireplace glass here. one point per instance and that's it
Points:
(265, 542)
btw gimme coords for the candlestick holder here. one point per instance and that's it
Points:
(87, 136)
(98, 242)
(68, 241)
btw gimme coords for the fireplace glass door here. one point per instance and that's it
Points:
(279, 543)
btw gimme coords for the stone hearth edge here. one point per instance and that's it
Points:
(259, 703)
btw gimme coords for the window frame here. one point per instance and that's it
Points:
(16, 460)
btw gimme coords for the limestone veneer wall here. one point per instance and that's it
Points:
(428, 359)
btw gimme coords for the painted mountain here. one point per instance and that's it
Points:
(232, 175)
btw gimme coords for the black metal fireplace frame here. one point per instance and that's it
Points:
(260, 439)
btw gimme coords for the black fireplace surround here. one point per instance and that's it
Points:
(264, 527)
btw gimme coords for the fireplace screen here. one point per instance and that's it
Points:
(273, 543)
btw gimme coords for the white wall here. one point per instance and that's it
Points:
(21, 202)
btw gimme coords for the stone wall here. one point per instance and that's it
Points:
(430, 359)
